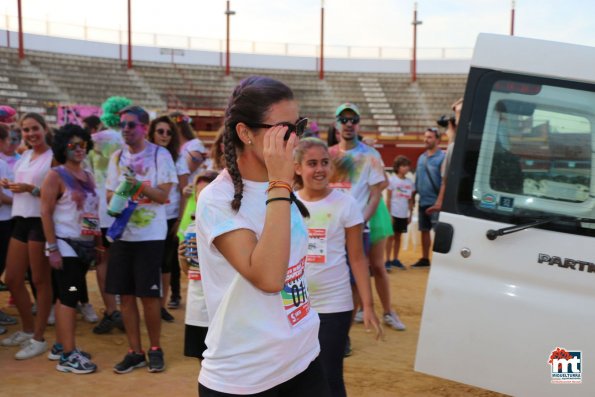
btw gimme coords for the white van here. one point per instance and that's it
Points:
(510, 301)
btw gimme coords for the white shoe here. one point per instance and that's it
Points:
(394, 321)
(52, 316)
(359, 316)
(16, 339)
(31, 349)
(86, 309)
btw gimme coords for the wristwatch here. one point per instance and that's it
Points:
(36, 192)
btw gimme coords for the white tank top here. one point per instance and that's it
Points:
(32, 172)
(76, 215)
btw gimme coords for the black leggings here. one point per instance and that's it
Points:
(309, 383)
(332, 336)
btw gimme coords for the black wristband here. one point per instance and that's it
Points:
(278, 198)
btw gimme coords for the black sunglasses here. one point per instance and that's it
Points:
(131, 124)
(344, 120)
(299, 127)
(163, 131)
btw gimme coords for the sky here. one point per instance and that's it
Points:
(366, 23)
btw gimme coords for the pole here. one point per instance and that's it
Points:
(512, 18)
(7, 31)
(228, 15)
(322, 40)
(21, 44)
(129, 36)
(414, 60)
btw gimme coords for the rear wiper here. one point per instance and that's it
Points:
(494, 234)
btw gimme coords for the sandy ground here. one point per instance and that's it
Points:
(376, 368)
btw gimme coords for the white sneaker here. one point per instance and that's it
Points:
(359, 316)
(52, 317)
(86, 309)
(31, 349)
(394, 321)
(16, 339)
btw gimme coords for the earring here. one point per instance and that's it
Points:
(249, 142)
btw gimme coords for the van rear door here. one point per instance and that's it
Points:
(510, 301)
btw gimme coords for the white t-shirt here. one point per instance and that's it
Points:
(196, 306)
(326, 266)
(105, 143)
(153, 166)
(172, 207)
(401, 191)
(5, 172)
(33, 173)
(256, 340)
(356, 170)
(76, 215)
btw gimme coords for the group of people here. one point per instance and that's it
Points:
(278, 240)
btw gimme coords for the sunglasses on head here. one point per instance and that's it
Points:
(163, 131)
(299, 127)
(344, 120)
(77, 145)
(131, 124)
(35, 128)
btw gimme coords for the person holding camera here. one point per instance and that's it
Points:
(451, 130)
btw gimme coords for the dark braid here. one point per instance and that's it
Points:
(231, 162)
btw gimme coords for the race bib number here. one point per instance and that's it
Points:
(316, 246)
(90, 225)
(296, 300)
(194, 274)
(344, 186)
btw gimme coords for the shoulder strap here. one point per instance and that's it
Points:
(430, 175)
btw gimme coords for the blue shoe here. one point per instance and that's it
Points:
(398, 264)
(76, 363)
(387, 265)
(55, 353)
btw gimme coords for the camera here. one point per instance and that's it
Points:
(444, 120)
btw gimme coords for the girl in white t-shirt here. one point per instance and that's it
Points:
(163, 132)
(252, 247)
(335, 222)
(197, 318)
(26, 247)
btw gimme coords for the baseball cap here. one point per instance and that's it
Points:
(347, 106)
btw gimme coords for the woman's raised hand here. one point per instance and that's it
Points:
(278, 154)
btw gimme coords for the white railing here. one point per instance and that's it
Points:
(115, 36)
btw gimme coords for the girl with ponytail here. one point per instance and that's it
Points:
(252, 244)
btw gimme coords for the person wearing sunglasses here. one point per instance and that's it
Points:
(164, 132)
(191, 147)
(252, 244)
(359, 171)
(70, 216)
(134, 266)
(27, 244)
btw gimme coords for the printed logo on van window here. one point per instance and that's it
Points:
(566, 366)
(489, 201)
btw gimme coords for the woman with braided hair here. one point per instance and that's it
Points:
(252, 244)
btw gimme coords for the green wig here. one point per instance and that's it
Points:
(111, 107)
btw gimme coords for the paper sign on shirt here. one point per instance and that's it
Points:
(345, 186)
(90, 225)
(316, 246)
(194, 274)
(294, 294)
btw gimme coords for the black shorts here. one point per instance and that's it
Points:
(5, 233)
(134, 268)
(70, 281)
(400, 225)
(104, 240)
(28, 229)
(194, 341)
(426, 222)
